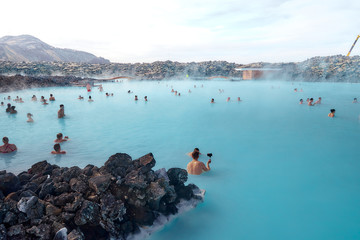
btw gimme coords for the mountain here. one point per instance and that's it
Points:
(31, 49)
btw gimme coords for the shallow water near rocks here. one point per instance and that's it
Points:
(280, 170)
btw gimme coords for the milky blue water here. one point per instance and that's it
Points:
(280, 170)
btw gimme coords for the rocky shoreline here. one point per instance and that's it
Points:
(19, 82)
(43, 74)
(120, 200)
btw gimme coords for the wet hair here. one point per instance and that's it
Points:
(59, 135)
(301, 99)
(2, 103)
(13, 107)
(61, 105)
(311, 99)
(195, 155)
(89, 97)
(51, 95)
(9, 105)
(57, 147)
(5, 139)
(212, 99)
(355, 98)
(29, 114)
(332, 110)
(196, 149)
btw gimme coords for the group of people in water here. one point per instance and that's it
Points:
(310, 102)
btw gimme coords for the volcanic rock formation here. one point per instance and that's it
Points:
(117, 200)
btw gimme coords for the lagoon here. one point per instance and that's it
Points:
(280, 170)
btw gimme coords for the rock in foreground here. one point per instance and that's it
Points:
(118, 200)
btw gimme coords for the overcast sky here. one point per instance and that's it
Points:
(240, 31)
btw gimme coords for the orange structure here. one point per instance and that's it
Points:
(252, 74)
(255, 73)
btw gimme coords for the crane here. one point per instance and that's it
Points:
(353, 45)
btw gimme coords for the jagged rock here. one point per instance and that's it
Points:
(9, 183)
(135, 179)
(61, 234)
(78, 185)
(46, 189)
(24, 177)
(39, 179)
(177, 176)
(66, 216)
(3, 233)
(184, 192)
(31, 186)
(147, 162)
(22, 217)
(88, 214)
(74, 205)
(88, 170)
(64, 198)
(14, 196)
(61, 187)
(111, 210)
(141, 215)
(75, 235)
(16, 230)
(161, 173)
(95, 203)
(154, 193)
(27, 193)
(52, 210)
(170, 195)
(31, 206)
(100, 183)
(10, 218)
(72, 172)
(42, 231)
(118, 164)
(41, 168)
(2, 172)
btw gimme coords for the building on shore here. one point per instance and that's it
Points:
(256, 73)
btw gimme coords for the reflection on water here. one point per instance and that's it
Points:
(7, 158)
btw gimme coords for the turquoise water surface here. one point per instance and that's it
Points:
(280, 170)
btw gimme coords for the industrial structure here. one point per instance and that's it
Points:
(255, 73)
(353, 45)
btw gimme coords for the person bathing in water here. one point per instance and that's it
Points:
(355, 100)
(57, 149)
(301, 101)
(8, 109)
(310, 103)
(61, 112)
(13, 111)
(51, 98)
(212, 101)
(195, 150)
(318, 101)
(332, 113)
(29, 115)
(7, 147)
(196, 167)
(60, 139)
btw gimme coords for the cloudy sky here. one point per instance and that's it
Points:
(239, 31)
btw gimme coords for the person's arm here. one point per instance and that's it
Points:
(207, 168)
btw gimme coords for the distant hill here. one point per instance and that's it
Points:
(31, 49)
